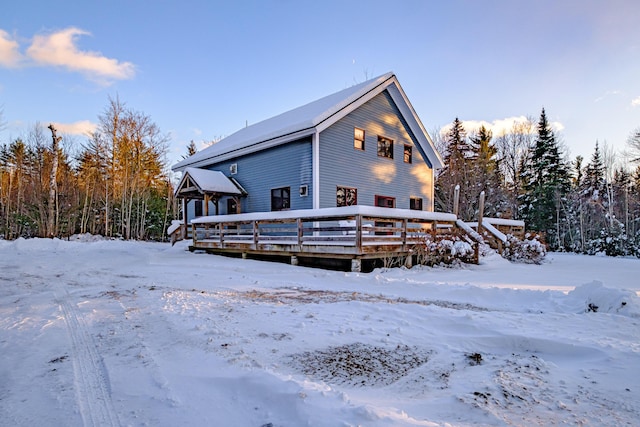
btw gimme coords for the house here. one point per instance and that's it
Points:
(364, 145)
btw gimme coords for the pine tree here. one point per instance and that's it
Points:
(545, 184)
(191, 149)
(456, 171)
(486, 172)
(595, 174)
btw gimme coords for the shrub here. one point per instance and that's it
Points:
(443, 252)
(529, 250)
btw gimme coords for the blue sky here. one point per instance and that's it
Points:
(202, 69)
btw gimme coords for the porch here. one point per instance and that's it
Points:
(354, 233)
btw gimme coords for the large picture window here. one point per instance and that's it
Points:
(385, 147)
(346, 196)
(358, 139)
(281, 199)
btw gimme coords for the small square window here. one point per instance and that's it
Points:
(358, 139)
(407, 154)
(415, 203)
(385, 147)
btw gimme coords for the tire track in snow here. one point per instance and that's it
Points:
(92, 388)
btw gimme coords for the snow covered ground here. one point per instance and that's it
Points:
(108, 333)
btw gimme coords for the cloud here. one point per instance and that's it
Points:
(607, 94)
(82, 127)
(635, 102)
(59, 49)
(10, 56)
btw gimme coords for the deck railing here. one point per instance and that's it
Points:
(355, 232)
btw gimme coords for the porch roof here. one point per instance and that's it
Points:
(195, 183)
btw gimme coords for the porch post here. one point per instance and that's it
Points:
(184, 217)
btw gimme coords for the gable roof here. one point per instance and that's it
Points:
(195, 180)
(312, 117)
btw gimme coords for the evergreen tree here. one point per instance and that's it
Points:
(545, 185)
(191, 149)
(486, 172)
(456, 171)
(595, 174)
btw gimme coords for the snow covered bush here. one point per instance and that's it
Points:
(443, 252)
(613, 241)
(528, 250)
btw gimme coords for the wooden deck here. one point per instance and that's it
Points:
(351, 233)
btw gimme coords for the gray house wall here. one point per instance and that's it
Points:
(287, 165)
(343, 165)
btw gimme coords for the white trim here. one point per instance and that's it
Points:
(409, 114)
(259, 146)
(368, 96)
(315, 168)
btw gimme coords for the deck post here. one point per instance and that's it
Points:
(480, 212)
(356, 265)
(299, 224)
(294, 260)
(255, 234)
(405, 221)
(358, 238)
(456, 199)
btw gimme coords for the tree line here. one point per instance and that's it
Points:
(573, 205)
(114, 184)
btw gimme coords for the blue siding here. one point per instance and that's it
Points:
(343, 165)
(287, 165)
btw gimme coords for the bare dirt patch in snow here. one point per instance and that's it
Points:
(359, 364)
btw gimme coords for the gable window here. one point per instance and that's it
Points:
(415, 203)
(407, 153)
(346, 196)
(358, 139)
(280, 199)
(385, 147)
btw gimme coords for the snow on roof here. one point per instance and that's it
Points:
(212, 181)
(294, 123)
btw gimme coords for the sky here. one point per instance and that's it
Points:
(202, 70)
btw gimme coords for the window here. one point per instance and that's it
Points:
(280, 199)
(346, 196)
(358, 139)
(385, 147)
(407, 153)
(415, 203)
(385, 202)
(198, 208)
